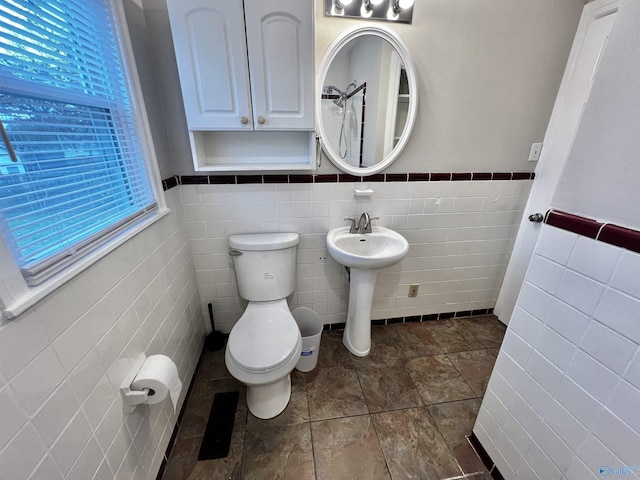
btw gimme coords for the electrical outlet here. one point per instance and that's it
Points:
(413, 290)
(534, 153)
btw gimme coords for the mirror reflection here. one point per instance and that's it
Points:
(365, 101)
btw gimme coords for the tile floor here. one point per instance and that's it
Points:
(400, 413)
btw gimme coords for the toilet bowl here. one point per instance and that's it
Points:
(265, 343)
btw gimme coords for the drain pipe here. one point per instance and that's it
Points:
(348, 273)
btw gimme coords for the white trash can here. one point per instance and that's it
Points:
(310, 326)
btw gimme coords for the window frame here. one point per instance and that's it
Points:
(15, 295)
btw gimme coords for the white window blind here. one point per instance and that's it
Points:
(71, 168)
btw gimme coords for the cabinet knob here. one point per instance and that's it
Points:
(261, 120)
(244, 120)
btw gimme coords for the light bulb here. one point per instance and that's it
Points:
(398, 6)
(365, 10)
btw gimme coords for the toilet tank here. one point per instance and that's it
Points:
(265, 264)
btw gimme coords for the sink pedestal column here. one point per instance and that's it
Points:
(357, 332)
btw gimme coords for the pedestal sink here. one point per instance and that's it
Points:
(364, 254)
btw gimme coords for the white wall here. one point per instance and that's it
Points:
(563, 399)
(600, 179)
(62, 362)
(460, 236)
(140, 42)
(488, 75)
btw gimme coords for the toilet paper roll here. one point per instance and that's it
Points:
(160, 375)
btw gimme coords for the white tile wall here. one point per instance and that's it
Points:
(577, 396)
(61, 362)
(460, 236)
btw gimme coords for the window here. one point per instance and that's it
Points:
(72, 173)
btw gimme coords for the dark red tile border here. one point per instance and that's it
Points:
(345, 177)
(456, 177)
(276, 178)
(176, 180)
(480, 451)
(440, 177)
(610, 233)
(176, 427)
(222, 179)
(481, 176)
(501, 176)
(249, 179)
(484, 457)
(418, 177)
(169, 183)
(620, 237)
(300, 178)
(417, 318)
(395, 177)
(194, 179)
(573, 223)
(378, 177)
(326, 178)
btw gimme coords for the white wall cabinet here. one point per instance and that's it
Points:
(246, 66)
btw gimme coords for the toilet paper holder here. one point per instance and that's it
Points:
(132, 398)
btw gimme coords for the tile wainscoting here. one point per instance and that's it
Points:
(176, 180)
(563, 399)
(460, 227)
(63, 360)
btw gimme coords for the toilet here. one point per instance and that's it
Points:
(265, 344)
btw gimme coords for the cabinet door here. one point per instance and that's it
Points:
(209, 40)
(281, 63)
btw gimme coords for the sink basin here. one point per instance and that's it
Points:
(378, 249)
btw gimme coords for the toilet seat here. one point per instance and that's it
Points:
(265, 337)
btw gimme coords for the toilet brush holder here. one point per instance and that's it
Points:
(215, 340)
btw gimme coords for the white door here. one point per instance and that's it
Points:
(211, 53)
(281, 63)
(575, 88)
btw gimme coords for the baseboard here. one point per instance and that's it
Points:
(484, 456)
(176, 427)
(416, 318)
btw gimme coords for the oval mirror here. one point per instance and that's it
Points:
(366, 100)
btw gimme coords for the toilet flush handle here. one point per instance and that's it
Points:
(235, 253)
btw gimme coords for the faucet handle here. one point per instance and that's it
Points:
(353, 224)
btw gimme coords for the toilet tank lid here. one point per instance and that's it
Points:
(263, 241)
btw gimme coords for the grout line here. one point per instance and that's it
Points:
(444, 440)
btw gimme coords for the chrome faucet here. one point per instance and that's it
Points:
(364, 223)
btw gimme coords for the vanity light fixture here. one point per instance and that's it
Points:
(399, 11)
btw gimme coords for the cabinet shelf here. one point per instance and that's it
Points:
(237, 152)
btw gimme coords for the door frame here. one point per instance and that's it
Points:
(559, 135)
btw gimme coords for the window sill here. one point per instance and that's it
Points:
(37, 293)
